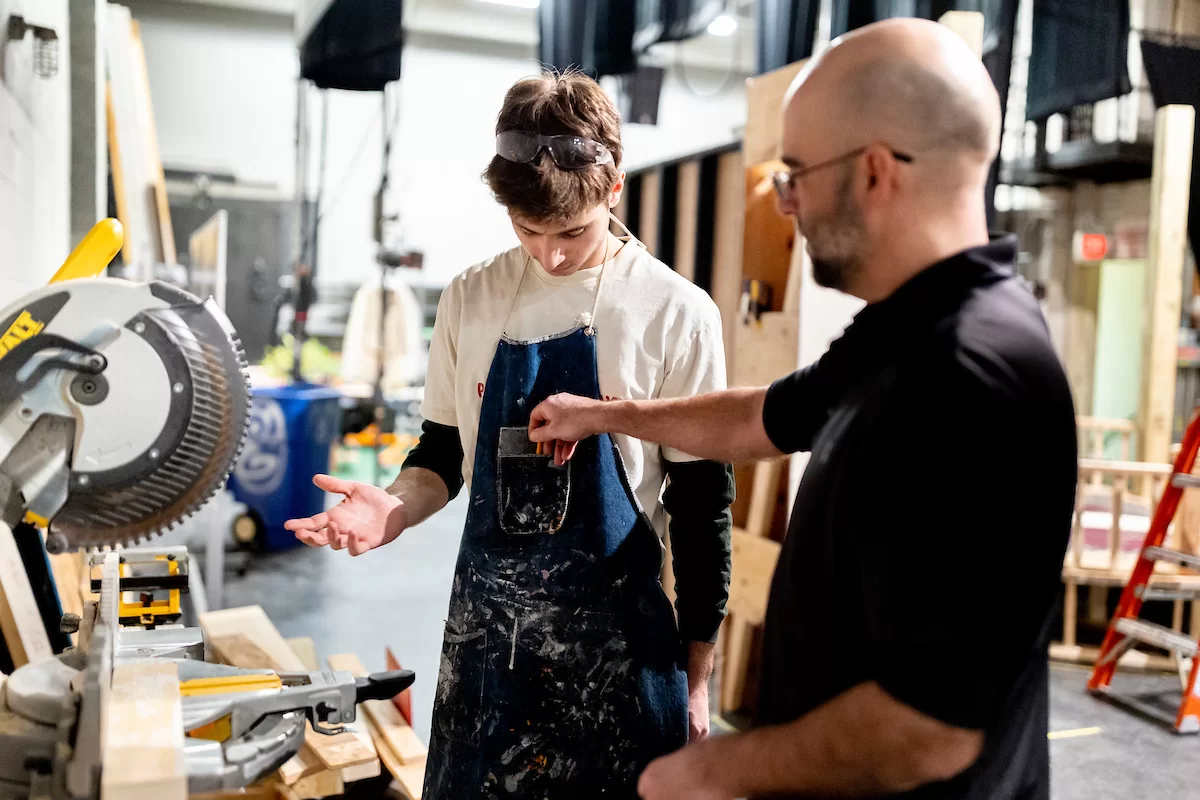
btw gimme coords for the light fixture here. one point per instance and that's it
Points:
(514, 3)
(45, 45)
(723, 25)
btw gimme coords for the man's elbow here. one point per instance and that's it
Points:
(941, 754)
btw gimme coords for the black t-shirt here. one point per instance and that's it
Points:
(926, 542)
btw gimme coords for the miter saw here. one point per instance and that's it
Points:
(123, 407)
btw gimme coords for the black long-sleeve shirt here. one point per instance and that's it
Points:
(697, 499)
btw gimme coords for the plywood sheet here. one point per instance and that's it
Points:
(754, 560)
(763, 139)
(766, 349)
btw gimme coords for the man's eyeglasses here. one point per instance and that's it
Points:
(785, 181)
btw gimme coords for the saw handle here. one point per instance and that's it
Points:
(383, 685)
(93, 253)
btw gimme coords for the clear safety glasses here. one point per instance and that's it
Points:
(567, 151)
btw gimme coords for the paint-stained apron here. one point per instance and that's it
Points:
(562, 667)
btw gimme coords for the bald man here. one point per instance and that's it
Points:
(906, 636)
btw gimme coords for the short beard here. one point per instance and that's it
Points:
(834, 240)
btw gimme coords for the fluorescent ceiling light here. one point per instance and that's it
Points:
(514, 3)
(723, 25)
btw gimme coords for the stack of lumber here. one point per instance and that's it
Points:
(245, 637)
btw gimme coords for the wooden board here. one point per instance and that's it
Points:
(340, 751)
(245, 637)
(306, 651)
(322, 784)
(1169, 188)
(687, 210)
(648, 224)
(754, 560)
(765, 350)
(410, 778)
(727, 246)
(240, 651)
(763, 139)
(252, 623)
(160, 205)
(20, 620)
(301, 765)
(402, 701)
(1083, 301)
(143, 734)
(384, 715)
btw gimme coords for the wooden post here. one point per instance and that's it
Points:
(1169, 187)
(687, 210)
(727, 245)
(648, 224)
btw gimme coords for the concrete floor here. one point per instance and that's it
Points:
(397, 596)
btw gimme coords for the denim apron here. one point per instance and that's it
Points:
(562, 668)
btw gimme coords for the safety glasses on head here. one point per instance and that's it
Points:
(568, 151)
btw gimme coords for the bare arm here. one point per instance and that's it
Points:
(421, 492)
(862, 743)
(369, 517)
(720, 426)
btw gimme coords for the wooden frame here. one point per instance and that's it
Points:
(1126, 483)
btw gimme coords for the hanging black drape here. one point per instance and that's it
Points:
(1174, 75)
(785, 31)
(673, 20)
(1079, 56)
(594, 36)
(356, 45)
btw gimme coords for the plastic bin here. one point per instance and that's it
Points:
(292, 429)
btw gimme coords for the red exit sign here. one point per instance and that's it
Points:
(1090, 246)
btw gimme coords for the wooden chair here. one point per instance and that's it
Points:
(1113, 506)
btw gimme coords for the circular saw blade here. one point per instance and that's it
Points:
(160, 492)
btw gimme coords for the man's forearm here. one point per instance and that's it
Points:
(423, 493)
(861, 743)
(721, 426)
(700, 664)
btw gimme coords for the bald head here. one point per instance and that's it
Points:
(911, 84)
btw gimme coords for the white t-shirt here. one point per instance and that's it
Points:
(657, 335)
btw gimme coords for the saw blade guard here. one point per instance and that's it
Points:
(132, 399)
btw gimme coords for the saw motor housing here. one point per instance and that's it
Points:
(123, 406)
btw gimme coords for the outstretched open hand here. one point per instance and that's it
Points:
(367, 518)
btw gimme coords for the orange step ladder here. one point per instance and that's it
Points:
(1126, 628)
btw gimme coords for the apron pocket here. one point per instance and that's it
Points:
(458, 710)
(533, 492)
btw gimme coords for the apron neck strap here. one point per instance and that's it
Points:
(590, 323)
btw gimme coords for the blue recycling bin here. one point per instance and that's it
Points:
(292, 429)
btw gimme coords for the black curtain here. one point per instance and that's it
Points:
(594, 36)
(1079, 54)
(673, 20)
(356, 45)
(785, 31)
(1174, 74)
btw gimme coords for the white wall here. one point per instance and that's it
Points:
(224, 95)
(223, 87)
(34, 154)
